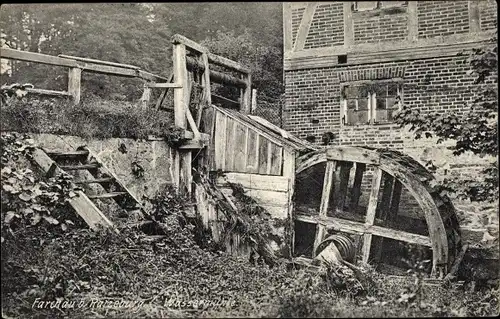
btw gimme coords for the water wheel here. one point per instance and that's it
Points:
(389, 201)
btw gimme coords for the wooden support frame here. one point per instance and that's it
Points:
(370, 213)
(434, 217)
(304, 26)
(74, 82)
(325, 201)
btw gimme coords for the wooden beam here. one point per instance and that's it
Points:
(356, 187)
(353, 227)
(120, 65)
(179, 39)
(47, 92)
(246, 95)
(163, 85)
(8, 53)
(370, 213)
(287, 26)
(341, 191)
(348, 24)
(230, 64)
(163, 95)
(304, 26)
(180, 76)
(412, 21)
(74, 84)
(474, 17)
(325, 199)
(192, 123)
(253, 106)
(218, 77)
(395, 198)
(353, 154)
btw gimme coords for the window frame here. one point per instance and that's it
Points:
(371, 101)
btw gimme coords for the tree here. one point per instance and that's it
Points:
(475, 131)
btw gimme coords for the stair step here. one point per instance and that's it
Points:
(68, 154)
(93, 181)
(106, 195)
(78, 167)
(137, 225)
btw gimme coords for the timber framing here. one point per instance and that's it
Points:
(375, 53)
(399, 170)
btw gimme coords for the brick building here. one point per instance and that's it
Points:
(350, 65)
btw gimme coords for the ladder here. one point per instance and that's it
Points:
(87, 170)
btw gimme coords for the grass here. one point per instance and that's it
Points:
(93, 118)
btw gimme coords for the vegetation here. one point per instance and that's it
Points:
(475, 131)
(96, 274)
(139, 34)
(93, 118)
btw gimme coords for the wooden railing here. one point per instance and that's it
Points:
(76, 66)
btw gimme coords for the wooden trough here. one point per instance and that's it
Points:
(392, 174)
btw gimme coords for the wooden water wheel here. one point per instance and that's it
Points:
(329, 198)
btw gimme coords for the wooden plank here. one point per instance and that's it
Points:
(180, 76)
(164, 93)
(265, 197)
(412, 21)
(270, 147)
(120, 65)
(474, 18)
(229, 148)
(95, 181)
(252, 127)
(353, 154)
(47, 92)
(106, 195)
(245, 148)
(82, 205)
(370, 213)
(318, 238)
(287, 27)
(240, 149)
(74, 83)
(356, 187)
(192, 123)
(252, 152)
(179, 39)
(348, 25)
(220, 140)
(276, 160)
(79, 167)
(341, 191)
(289, 172)
(225, 62)
(395, 198)
(327, 187)
(8, 53)
(196, 143)
(304, 26)
(253, 107)
(353, 227)
(146, 96)
(385, 202)
(164, 85)
(66, 154)
(255, 181)
(263, 154)
(246, 97)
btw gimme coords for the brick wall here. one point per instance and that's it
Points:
(488, 14)
(296, 18)
(327, 27)
(442, 18)
(380, 25)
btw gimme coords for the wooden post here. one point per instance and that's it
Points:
(182, 165)
(370, 213)
(325, 199)
(146, 95)
(253, 107)
(74, 83)
(246, 94)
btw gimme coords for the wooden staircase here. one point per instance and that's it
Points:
(87, 170)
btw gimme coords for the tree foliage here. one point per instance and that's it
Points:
(137, 34)
(475, 131)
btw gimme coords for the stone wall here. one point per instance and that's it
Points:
(155, 156)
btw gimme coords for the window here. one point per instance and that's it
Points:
(372, 5)
(371, 102)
